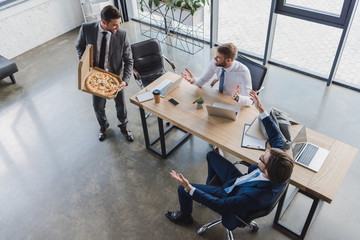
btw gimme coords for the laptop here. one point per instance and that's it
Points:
(167, 86)
(307, 154)
(223, 110)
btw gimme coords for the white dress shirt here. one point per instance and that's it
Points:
(99, 39)
(236, 74)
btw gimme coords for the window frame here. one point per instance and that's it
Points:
(314, 15)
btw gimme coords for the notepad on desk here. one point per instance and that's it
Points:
(142, 97)
(252, 142)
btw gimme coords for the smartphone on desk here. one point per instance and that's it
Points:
(173, 101)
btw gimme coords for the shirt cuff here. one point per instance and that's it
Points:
(263, 115)
(192, 191)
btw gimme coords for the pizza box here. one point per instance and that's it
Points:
(86, 68)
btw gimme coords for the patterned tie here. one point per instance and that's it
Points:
(222, 77)
(229, 189)
(102, 51)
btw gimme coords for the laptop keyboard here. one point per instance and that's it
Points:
(308, 154)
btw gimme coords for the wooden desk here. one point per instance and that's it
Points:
(227, 134)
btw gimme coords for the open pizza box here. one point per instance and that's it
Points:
(86, 68)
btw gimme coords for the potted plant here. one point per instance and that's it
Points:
(199, 102)
(191, 5)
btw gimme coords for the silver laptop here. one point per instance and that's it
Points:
(307, 154)
(223, 110)
(167, 86)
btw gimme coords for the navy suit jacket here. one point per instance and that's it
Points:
(119, 49)
(249, 196)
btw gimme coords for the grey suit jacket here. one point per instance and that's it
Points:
(119, 50)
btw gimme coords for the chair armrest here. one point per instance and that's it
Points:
(258, 91)
(214, 81)
(138, 78)
(242, 163)
(171, 63)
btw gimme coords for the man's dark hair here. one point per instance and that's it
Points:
(110, 12)
(279, 166)
(229, 50)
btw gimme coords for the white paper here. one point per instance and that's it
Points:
(145, 96)
(252, 142)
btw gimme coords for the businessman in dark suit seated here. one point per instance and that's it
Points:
(239, 193)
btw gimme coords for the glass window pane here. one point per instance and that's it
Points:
(328, 6)
(349, 66)
(142, 16)
(244, 23)
(305, 45)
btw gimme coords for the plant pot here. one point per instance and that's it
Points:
(200, 106)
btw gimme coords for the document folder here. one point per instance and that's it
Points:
(252, 142)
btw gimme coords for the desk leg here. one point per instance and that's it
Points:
(162, 137)
(145, 129)
(287, 230)
(162, 132)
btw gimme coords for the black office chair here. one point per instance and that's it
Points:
(148, 62)
(249, 221)
(257, 72)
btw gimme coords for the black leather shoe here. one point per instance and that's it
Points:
(178, 217)
(102, 133)
(128, 134)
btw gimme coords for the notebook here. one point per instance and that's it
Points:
(223, 110)
(167, 86)
(307, 154)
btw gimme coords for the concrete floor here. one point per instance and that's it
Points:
(59, 182)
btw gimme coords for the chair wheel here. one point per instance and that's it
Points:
(254, 227)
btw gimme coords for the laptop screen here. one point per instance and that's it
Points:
(299, 142)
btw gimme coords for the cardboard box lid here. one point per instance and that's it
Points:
(86, 68)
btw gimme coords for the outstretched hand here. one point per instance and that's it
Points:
(255, 98)
(179, 178)
(188, 76)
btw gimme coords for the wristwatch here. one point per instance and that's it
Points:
(187, 189)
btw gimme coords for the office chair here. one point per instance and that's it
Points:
(148, 62)
(249, 221)
(257, 72)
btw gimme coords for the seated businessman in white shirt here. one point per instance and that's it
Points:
(236, 79)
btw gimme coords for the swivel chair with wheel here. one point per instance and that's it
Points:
(148, 62)
(249, 220)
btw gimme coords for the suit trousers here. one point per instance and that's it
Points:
(121, 112)
(217, 165)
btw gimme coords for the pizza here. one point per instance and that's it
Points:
(102, 83)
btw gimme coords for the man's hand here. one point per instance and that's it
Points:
(188, 76)
(255, 98)
(179, 178)
(122, 85)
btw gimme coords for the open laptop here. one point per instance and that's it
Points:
(223, 110)
(167, 86)
(307, 154)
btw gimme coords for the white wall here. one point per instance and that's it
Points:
(34, 22)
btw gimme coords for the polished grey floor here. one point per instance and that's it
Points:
(57, 181)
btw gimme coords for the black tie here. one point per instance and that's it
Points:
(102, 51)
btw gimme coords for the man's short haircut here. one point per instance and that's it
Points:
(229, 50)
(279, 166)
(110, 12)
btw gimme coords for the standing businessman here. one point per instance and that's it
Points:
(112, 50)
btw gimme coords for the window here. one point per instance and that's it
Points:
(8, 3)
